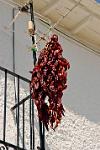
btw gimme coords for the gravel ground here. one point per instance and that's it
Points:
(74, 133)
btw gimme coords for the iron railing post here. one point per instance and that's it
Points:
(18, 97)
(5, 106)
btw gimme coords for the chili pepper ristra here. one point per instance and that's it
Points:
(49, 79)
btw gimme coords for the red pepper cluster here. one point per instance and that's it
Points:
(49, 78)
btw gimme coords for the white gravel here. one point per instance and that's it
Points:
(74, 133)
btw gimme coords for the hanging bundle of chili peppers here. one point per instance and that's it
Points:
(48, 81)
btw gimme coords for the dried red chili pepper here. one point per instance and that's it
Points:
(49, 78)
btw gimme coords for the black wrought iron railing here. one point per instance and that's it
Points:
(19, 107)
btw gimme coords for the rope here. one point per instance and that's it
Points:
(14, 19)
(14, 3)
